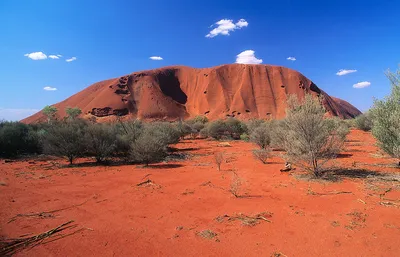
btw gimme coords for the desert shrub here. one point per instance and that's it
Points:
(363, 122)
(101, 141)
(50, 112)
(200, 118)
(196, 128)
(262, 154)
(184, 128)
(253, 124)
(166, 131)
(17, 138)
(261, 135)
(216, 129)
(73, 113)
(219, 158)
(245, 137)
(308, 138)
(386, 118)
(127, 133)
(65, 139)
(235, 127)
(150, 147)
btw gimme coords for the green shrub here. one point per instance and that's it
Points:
(308, 138)
(101, 141)
(65, 139)
(245, 137)
(253, 124)
(200, 118)
(165, 131)
(216, 129)
(150, 147)
(235, 127)
(386, 118)
(17, 139)
(127, 133)
(363, 122)
(261, 135)
(50, 112)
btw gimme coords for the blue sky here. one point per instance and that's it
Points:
(113, 38)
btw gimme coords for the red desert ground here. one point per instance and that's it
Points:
(189, 207)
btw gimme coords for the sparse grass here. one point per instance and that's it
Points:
(207, 234)
(247, 220)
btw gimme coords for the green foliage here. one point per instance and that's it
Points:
(65, 139)
(245, 137)
(184, 128)
(73, 113)
(165, 131)
(235, 127)
(261, 135)
(101, 141)
(308, 138)
(127, 133)
(150, 147)
(200, 118)
(363, 122)
(50, 112)
(386, 118)
(253, 124)
(17, 139)
(216, 129)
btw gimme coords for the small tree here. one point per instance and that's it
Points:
(262, 154)
(150, 147)
(50, 112)
(309, 139)
(65, 139)
(217, 129)
(261, 135)
(127, 133)
(363, 122)
(73, 113)
(101, 141)
(386, 118)
(235, 127)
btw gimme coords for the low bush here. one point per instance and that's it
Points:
(65, 139)
(235, 127)
(101, 141)
(262, 154)
(150, 147)
(17, 139)
(363, 122)
(261, 135)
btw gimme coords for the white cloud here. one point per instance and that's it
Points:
(71, 59)
(291, 58)
(225, 26)
(362, 84)
(248, 57)
(16, 114)
(36, 56)
(50, 88)
(342, 72)
(59, 55)
(156, 58)
(54, 56)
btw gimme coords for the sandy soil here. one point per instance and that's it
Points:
(181, 213)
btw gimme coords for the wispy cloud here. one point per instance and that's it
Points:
(71, 59)
(248, 57)
(362, 84)
(16, 114)
(225, 26)
(36, 56)
(291, 58)
(156, 58)
(50, 88)
(52, 56)
(342, 72)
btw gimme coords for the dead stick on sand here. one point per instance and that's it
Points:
(12, 246)
(44, 214)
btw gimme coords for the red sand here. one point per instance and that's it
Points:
(127, 220)
(235, 90)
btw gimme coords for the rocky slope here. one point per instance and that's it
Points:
(179, 92)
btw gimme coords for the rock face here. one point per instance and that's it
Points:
(179, 92)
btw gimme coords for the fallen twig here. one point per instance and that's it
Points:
(45, 214)
(247, 219)
(310, 192)
(14, 245)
